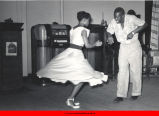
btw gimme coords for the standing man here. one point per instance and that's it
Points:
(126, 29)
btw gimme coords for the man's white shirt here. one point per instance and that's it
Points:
(131, 22)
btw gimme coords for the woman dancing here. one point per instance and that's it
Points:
(70, 65)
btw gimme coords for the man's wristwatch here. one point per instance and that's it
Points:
(133, 33)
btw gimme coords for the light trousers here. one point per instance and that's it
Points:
(129, 60)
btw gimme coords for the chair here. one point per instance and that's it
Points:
(152, 62)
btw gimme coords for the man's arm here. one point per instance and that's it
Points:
(141, 24)
(110, 31)
(137, 30)
(140, 28)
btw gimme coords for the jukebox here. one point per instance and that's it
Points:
(47, 40)
(60, 38)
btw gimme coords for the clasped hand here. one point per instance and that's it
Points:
(98, 43)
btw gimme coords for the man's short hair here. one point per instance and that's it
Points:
(119, 9)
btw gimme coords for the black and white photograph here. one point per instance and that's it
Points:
(11, 49)
(79, 55)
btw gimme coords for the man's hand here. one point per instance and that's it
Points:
(130, 35)
(98, 43)
(110, 40)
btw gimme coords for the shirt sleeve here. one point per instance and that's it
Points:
(137, 21)
(88, 32)
(110, 28)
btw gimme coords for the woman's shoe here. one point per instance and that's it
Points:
(76, 103)
(70, 102)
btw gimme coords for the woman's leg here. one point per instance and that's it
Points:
(70, 101)
(75, 90)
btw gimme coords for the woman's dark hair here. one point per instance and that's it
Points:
(119, 9)
(131, 12)
(83, 14)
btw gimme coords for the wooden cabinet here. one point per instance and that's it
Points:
(96, 56)
(10, 56)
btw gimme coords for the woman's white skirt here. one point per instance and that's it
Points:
(70, 65)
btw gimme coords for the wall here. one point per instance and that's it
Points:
(17, 12)
(42, 12)
(95, 8)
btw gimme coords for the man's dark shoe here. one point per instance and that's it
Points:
(134, 97)
(118, 99)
